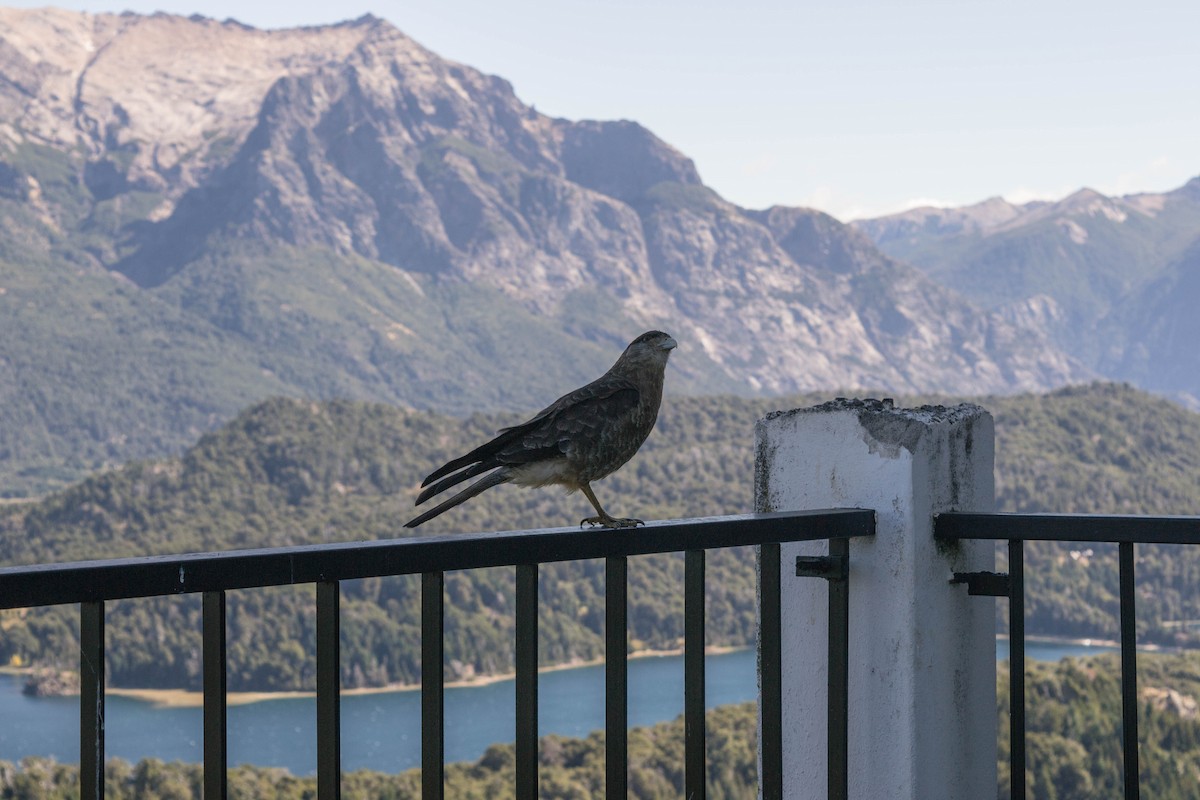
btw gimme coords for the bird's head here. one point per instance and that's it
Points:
(650, 349)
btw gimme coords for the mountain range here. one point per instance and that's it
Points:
(1112, 281)
(199, 214)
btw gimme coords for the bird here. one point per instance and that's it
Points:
(578, 439)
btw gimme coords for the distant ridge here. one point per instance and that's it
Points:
(1109, 279)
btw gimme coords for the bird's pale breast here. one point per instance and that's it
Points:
(616, 443)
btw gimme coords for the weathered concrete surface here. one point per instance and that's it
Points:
(922, 653)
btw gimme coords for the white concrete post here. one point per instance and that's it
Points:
(922, 678)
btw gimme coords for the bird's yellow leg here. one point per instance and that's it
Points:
(604, 520)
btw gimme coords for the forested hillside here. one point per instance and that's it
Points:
(1101, 449)
(1073, 727)
(569, 769)
(291, 472)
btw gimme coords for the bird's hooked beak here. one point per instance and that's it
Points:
(669, 344)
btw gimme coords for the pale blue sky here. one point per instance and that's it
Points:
(854, 107)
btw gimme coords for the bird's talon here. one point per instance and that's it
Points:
(611, 522)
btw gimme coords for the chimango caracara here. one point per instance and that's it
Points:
(579, 438)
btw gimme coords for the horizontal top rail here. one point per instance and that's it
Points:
(152, 576)
(1068, 527)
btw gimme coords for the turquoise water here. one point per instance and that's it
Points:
(382, 731)
(1053, 651)
(379, 731)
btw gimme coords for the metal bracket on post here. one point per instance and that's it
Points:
(984, 584)
(832, 568)
(835, 568)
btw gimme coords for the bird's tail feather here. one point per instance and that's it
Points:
(497, 477)
(482, 453)
(454, 480)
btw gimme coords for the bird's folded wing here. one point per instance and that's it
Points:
(583, 413)
(603, 387)
(541, 436)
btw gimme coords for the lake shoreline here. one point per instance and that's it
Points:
(1091, 642)
(187, 698)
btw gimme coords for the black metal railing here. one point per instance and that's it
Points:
(93, 583)
(1016, 529)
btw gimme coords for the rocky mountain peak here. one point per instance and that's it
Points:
(1088, 201)
(1191, 188)
(159, 96)
(1083, 203)
(815, 238)
(933, 221)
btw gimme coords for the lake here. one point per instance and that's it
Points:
(382, 731)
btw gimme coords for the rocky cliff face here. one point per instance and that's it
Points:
(158, 96)
(163, 150)
(1151, 337)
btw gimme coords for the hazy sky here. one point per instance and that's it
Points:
(856, 108)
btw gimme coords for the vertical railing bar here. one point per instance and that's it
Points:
(215, 696)
(695, 769)
(1129, 698)
(616, 677)
(91, 700)
(527, 682)
(770, 648)
(839, 667)
(1016, 668)
(433, 739)
(329, 691)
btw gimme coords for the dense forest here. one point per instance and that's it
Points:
(290, 472)
(1073, 731)
(1073, 727)
(294, 472)
(570, 769)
